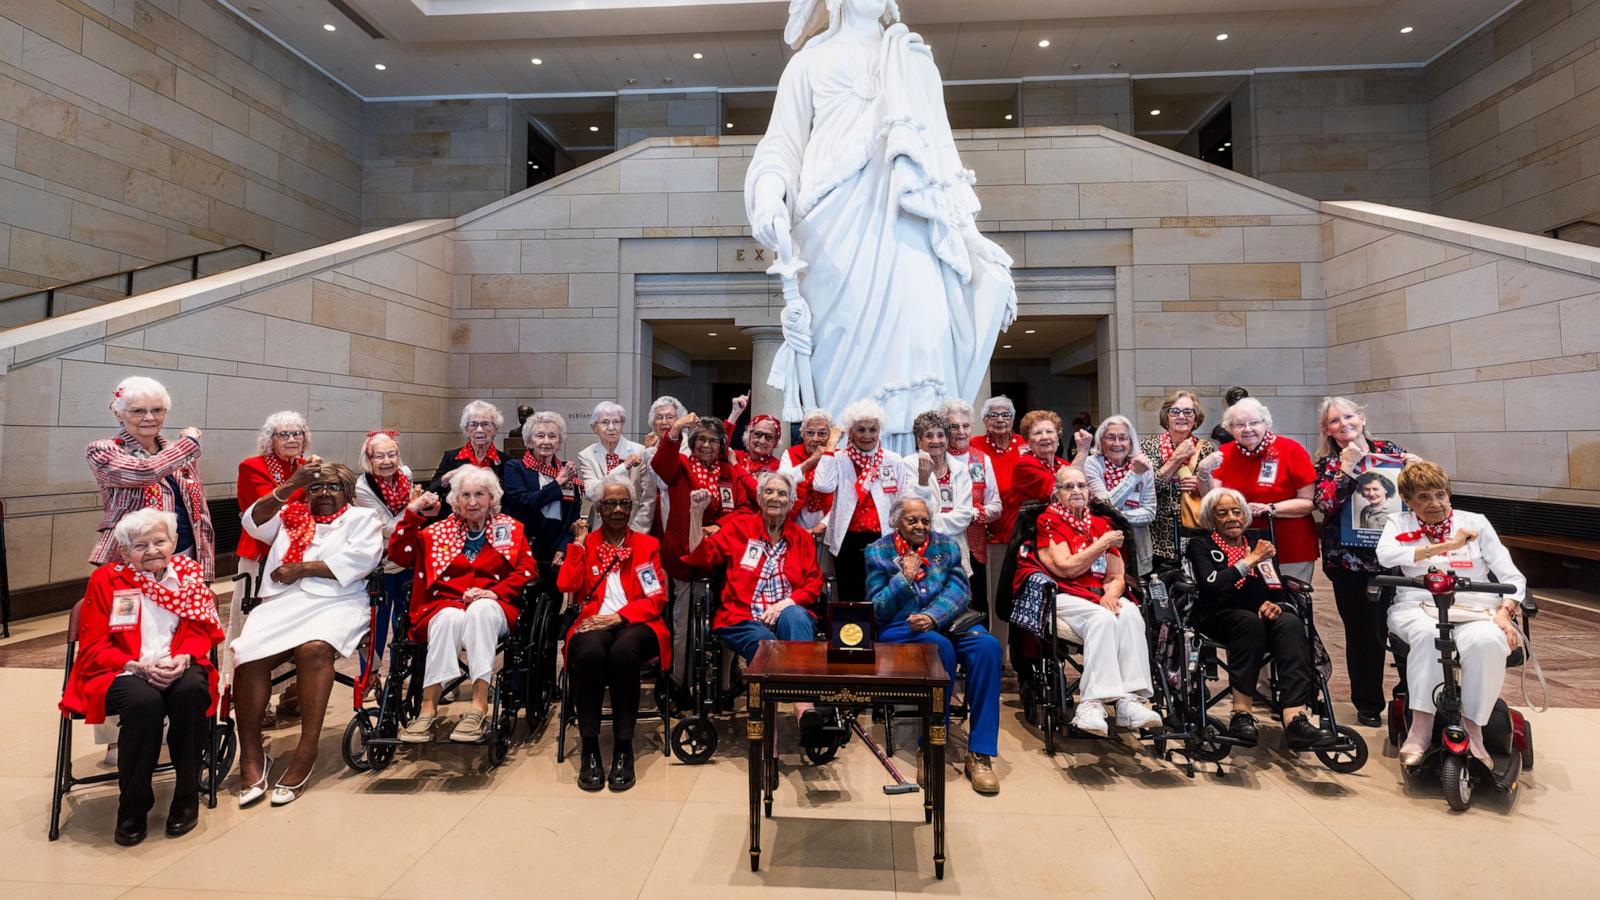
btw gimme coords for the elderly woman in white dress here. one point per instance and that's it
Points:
(1122, 477)
(313, 609)
(385, 487)
(1433, 534)
(613, 453)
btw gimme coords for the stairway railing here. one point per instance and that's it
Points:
(122, 284)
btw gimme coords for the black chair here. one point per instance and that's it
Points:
(216, 759)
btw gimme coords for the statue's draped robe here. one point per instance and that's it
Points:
(905, 310)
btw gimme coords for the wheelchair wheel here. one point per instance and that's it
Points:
(354, 749)
(694, 740)
(821, 754)
(1455, 775)
(1346, 760)
(1030, 702)
(218, 757)
(1209, 749)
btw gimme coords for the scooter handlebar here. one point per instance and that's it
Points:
(1436, 582)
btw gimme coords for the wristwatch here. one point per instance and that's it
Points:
(1272, 510)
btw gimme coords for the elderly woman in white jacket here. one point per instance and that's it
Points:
(937, 478)
(1432, 534)
(1121, 476)
(615, 454)
(864, 474)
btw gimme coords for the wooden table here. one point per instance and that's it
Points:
(799, 672)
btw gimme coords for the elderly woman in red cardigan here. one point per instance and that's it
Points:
(471, 568)
(145, 633)
(615, 577)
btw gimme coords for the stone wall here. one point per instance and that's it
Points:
(1090, 101)
(353, 334)
(139, 130)
(1514, 119)
(1343, 135)
(663, 114)
(439, 158)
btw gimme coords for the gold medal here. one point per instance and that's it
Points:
(850, 634)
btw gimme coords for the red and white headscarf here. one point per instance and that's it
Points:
(302, 527)
(701, 476)
(278, 471)
(1436, 534)
(193, 600)
(1232, 552)
(1264, 446)
(1114, 473)
(1079, 522)
(551, 469)
(762, 463)
(488, 459)
(902, 547)
(867, 466)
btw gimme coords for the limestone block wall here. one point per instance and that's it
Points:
(1341, 135)
(1514, 119)
(353, 334)
(666, 114)
(1474, 346)
(139, 130)
(438, 158)
(1090, 101)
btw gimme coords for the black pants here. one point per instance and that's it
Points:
(611, 658)
(1364, 631)
(850, 566)
(1248, 637)
(980, 582)
(142, 708)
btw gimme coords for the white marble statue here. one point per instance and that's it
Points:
(905, 297)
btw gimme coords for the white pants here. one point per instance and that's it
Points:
(1483, 649)
(1116, 661)
(477, 629)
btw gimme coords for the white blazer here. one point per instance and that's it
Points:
(351, 545)
(952, 514)
(836, 475)
(592, 469)
(1480, 558)
(367, 498)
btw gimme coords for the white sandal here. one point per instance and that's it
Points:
(258, 790)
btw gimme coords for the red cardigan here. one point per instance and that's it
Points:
(726, 548)
(674, 470)
(586, 582)
(102, 653)
(503, 573)
(254, 483)
(1030, 480)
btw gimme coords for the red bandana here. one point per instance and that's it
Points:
(605, 553)
(489, 459)
(1114, 473)
(1265, 445)
(277, 471)
(302, 528)
(1436, 534)
(902, 548)
(612, 460)
(866, 469)
(1077, 522)
(396, 491)
(703, 477)
(550, 470)
(814, 502)
(448, 536)
(1165, 446)
(1232, 552)
(192, 600)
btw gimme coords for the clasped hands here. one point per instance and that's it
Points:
(162, 672)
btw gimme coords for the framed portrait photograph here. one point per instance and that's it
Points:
(1375, 499)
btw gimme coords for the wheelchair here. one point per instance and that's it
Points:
(524, 681)
(568, 715)
(1186, 663)
(216, 758)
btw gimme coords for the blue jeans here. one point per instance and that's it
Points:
(396, 597)
(794, 624)
(979, 653)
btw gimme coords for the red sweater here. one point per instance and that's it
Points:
(674, 470)
(254, 483)
(1004, 459)
(1296, 539)
(504, 569)
(1030, 480)
(586, 582)
(727, 548)
(102, 653)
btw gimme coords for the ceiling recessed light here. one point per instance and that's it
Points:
(1044, 43)
(379, 66)
(1155, 112)
(537, 61)
(1009, 117)
(1227, 143)
(594, 127)
(1031, 331)
(330, 27)
(699, 55)
(1005, 346)
(711, 334)
(1223, 36)
(1407, 30)
(733, 348)
(730, 124)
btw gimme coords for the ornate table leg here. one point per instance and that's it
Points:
(770, 754)
(936, 737)
(755, 731)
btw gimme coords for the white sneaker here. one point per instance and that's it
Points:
(1133, 714)
(1091, 718)
(111, 757)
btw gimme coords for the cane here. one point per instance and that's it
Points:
(900, 786)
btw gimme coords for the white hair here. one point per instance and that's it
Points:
(608, 408)
(619, 479)
(1246, 406)
(861, 411)
(141, 521)
(955, 405)
(999, 401)
(476, 476)
(135, 386)
(366, 448)
(481, 408)
(545, 417)
(278, 421)
(1325, 444)
(1133, 435)
(668, 400)
(815, 414)
(1208, 506)
(776, 475)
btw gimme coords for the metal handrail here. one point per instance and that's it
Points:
(126, 275)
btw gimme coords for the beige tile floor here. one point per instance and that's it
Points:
(1102, 818)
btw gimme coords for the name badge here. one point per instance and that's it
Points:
(725, 491)
(1099, 566)
(886, 479)
(752, 554)
(1269, 472)
(1269, 574)
(569, 493)
(125, 609)
(1459, 559)
(648, 579)
(500, 536)
(1132, 503)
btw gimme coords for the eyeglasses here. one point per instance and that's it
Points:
(480, 426)
(155, 412)
(1253, 423)
(615, 504)
(384, 456)
(1181, 412)
(324, 487)
(1115, 439)
(763, 435)
(608, 423)
(288, 435)
(1073, 486)
(999, 416)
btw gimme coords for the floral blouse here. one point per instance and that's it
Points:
(1164, 528)
(1332, 490)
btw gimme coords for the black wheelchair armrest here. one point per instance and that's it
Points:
(248, 600)
(375, 587)
(1530, 607)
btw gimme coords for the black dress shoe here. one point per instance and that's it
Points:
(591, 775)
(621, 777)
(1242, 728)
(1300, 734)
(183, 816)
(1370, 719)
(130, 831)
